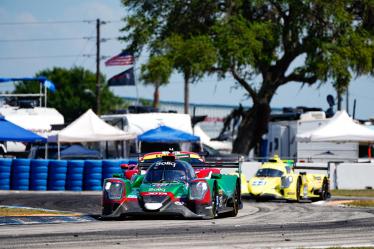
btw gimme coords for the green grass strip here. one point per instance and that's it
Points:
(5, 211)
(355, 192)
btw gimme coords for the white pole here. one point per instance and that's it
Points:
(46, 151)
(40, 94)
(58, 148)
(136, 84)
(45, 96)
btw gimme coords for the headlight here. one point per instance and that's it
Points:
(198, 190)
(286, 181)
(107, 186)
(114, 190)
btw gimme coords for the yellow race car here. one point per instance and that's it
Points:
(276, 179)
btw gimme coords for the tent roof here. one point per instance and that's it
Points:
(340, 128)
(141, 122)
(77, 151)
(13, 132)
(90, 128)
(166, 134)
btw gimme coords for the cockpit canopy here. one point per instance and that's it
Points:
(269, 172)
(169, 171)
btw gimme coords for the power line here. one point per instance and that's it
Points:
(57, 22)
(58, 39)
(45, 56)
(46, 22)
(48, 39)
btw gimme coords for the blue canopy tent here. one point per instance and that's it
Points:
(15, 133)
(79, 152)
(47, 84)
(166, 134)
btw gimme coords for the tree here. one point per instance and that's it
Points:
(75, 91)
(156, 72)
(332, 41)
(192, 57)
(159, 26)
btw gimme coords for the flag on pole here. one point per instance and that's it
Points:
(125, 78)
(122, 59)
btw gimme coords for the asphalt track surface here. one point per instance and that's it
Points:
(258, 225)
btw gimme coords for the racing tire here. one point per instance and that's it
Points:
(324, 191)
(298, 186)
(235, 205)
(213, 202)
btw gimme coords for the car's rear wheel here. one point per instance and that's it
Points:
(298, 187)
(235, 205)
(325, 190)
(213, 203)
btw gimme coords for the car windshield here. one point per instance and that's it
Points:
(186, 158)
(266, 172)
(166, 172)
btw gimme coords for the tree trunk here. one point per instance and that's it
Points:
(186, 93)
(156, 96)
(252, 127)
(340, 99)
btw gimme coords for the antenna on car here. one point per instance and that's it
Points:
(171, 150)
(170, 157)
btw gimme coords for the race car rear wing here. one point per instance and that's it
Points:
(327, 169)
(311, 168)
(217, 164)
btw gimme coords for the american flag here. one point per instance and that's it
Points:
(122, 59)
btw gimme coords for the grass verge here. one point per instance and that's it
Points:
(361, 203)
(6, 211)
(355, 192)
(360, 247)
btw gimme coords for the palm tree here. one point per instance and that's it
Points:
(156, 72)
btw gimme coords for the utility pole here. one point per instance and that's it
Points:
(98, 85)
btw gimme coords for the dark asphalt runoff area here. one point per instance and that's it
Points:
(258, 225)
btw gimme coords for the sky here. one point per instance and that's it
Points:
(72, 23)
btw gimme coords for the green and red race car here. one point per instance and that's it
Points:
(174, 183)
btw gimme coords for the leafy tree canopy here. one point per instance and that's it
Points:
(75, 91)
(333, 41)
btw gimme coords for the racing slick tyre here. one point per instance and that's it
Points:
(213, 203)
(235, 205)
(298, 187)
(324, 191)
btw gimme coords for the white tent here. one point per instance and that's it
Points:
(90, 128)
(340, 128)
